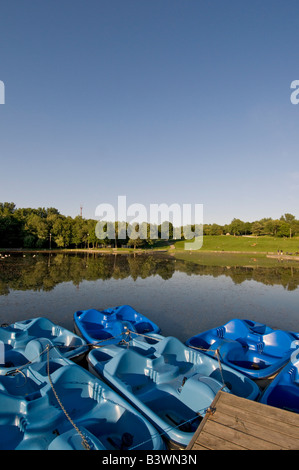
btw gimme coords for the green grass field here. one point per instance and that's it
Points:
(246, 244)
(239, 251)
(226, 259)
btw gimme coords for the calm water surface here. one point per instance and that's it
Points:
(182, 297)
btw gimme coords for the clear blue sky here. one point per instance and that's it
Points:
(164, 101)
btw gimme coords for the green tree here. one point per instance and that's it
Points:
(77, 231)
(7, 208)
(237, 227)
(283, 230)
(271, 227)
(212, 229)
(257, 228)
(290, 220)
(61, 230)
(137, 234)
(37, 226)
(11, 231)
(92, 238)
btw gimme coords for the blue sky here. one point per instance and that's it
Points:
(164, 101)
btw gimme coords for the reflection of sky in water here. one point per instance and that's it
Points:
(182, 305)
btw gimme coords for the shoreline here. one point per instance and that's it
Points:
(172, 251)
(268, 254)
(209, 258)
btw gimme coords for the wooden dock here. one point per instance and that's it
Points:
(235, 423)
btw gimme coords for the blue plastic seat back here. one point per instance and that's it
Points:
(236, 329)
(126, 362)
(277, 343)
(90, 316)
(230, 350)
(126, 312)
(171, 346)
(41, 327)
(257, 327)
(40, 349)
(7, 334)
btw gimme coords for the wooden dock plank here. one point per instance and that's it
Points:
(271, 413)
(208, 442)
(259, 426)
(245, 439)
(237, 423)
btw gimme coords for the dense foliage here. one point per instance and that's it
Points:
(286, 226)
(47, 228)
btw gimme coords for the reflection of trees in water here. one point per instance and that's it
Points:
(288, 277)
(45, 271)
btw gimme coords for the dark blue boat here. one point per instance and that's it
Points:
(56, 404)
(111, 325)
(283, 391)
(14, 339)
(252, 348)
(171, 384)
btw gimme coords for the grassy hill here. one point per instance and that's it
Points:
(246, 244)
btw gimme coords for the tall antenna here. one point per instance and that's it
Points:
(81, 209)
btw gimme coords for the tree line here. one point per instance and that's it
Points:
(47, 228)
(286, 226)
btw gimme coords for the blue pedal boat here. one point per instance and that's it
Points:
(111, 325)
(171, 384)
(283, 391)
(56, 404)
(14, 339)
(252, 348)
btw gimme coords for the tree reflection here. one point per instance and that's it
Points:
(42, 272)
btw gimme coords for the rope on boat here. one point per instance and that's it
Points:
(216, 351)
(199, 414)
(127, 333)
(220, 366)
(84, 440)
(124, 340)
(18, 370)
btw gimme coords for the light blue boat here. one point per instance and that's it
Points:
(56, 404)
(111, 325)
(14, 339)
(283, 391)
(252, 348)
(171, 384)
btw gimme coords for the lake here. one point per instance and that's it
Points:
(182, 297)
